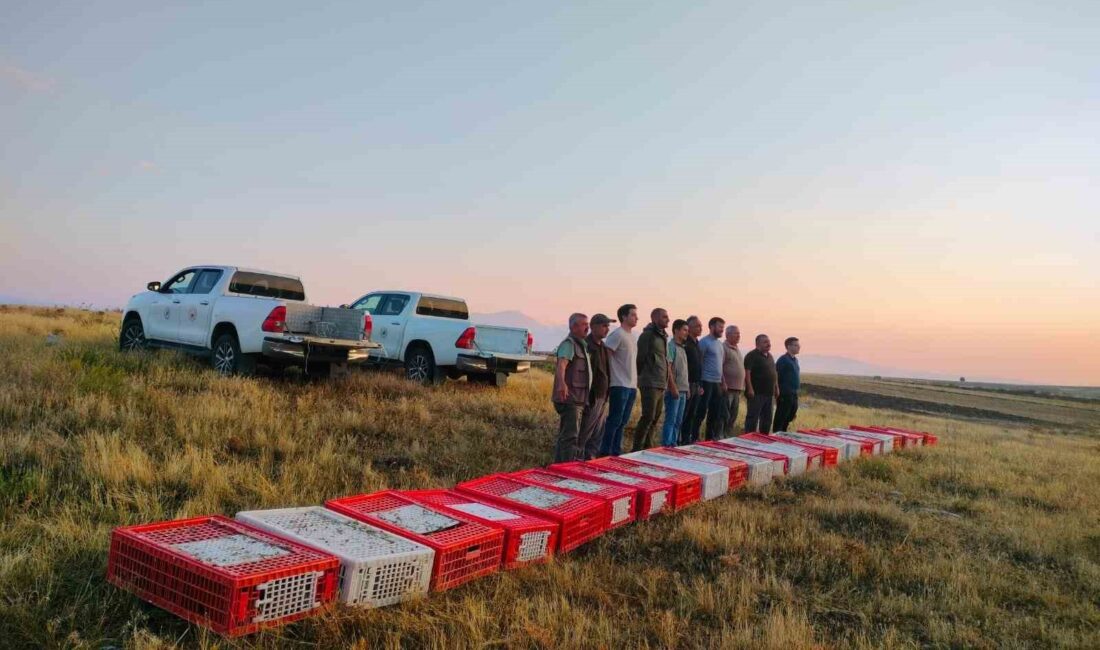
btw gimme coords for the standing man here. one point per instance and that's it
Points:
(689, 433)
(623, 361)
(713, 402)
(572, 383)
(678, 385)
(786, 406)
(653, 370)
(734, 370)
(595, 412)
(761, 386)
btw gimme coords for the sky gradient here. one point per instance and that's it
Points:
(915, 186)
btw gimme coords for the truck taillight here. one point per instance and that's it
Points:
(368, 325)
(530, 342)
(275, 321)
(466, 340)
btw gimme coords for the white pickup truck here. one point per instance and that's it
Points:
(239, 316)
(432, 337)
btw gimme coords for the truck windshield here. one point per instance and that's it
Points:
(267, 286)
(442, 307)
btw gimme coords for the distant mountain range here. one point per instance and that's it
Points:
(16, 300)
(548, 336)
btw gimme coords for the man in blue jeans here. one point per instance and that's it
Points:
(622, 350)
(678, 385)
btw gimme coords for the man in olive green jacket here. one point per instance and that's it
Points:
(653, 374)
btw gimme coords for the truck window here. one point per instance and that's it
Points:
(181, 283)
(442, 307)
(369, 304)
(206, 281)
(393, 305)
(266, 286)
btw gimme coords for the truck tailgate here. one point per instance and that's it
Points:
(324, 322)
(499, 340)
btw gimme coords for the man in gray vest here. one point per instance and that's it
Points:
(572, 384)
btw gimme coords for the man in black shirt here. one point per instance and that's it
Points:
(761, 386)
(689, 431)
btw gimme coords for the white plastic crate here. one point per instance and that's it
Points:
(846, 449)
(760, 469)
(657, 501)
(887, 439)
(377, 567)
(533, 545)
(715, 478)
(798, 458)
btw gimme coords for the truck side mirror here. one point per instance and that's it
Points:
(153, 286)
(345, 306)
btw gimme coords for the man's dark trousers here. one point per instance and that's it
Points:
(593, 419)
(713, 408)
(653, 402)
(758, 415)
(786, 408)
(568, 429)
(689, 430)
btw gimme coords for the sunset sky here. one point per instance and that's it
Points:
(909, 184)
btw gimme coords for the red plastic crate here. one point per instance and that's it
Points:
(623, 499)
(653, 496)
(929, 439)
(739, 470)
(222, 574)
(829, 455)
(581, 518)
(527, 539)
(816, 455)
(876, 439)
(463, 551)
(900, 439)
(904, 439)
(686, 488)
(866, 447)
(755, 452)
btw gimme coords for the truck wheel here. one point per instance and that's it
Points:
(499, 379)
(420, 365)
(227, 359)
(131, 337)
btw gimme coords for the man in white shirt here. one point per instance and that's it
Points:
(622, 350)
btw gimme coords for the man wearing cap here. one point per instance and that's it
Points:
(572, 384)
(595, 411)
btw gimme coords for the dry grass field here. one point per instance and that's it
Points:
(1057, 412)
(989, 540)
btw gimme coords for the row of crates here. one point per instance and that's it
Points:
(271, 567)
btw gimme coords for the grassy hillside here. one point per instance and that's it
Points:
(990, 540)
